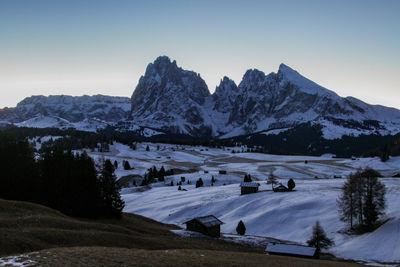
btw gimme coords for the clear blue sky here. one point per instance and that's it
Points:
(91, 47)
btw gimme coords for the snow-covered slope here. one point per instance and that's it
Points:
(285, 216)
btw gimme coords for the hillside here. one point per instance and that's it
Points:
(47, 237)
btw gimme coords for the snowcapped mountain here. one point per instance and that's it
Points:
(169, 98)
(84, 112)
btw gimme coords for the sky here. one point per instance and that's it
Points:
(79, 47)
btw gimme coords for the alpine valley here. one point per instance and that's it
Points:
(281, 112)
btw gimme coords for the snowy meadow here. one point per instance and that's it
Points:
(287, 216)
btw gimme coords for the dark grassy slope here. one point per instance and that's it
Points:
(105, 256)
(59, 240)
(26, 227)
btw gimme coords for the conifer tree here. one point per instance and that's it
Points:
(247, 178)
(199, 183)
(127, 166)
(241, 228)
(291, 184)
(319, 240)
(112, 202)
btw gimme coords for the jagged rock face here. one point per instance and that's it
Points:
(225, 95)
(168, 96)
(283, 98)
(72, 109)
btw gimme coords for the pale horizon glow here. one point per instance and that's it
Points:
(103, 47)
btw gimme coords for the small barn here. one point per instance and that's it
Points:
(248, 188)
(291, 250)
(208, 225)
(281, 188)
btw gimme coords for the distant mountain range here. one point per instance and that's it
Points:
(169, 99)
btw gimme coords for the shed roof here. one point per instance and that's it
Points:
(290, 249)
(249, 184)
(207, 221)
(281, 186)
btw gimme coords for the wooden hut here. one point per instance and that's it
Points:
(291, 250)
(281, 188)
(208, 225)
(248, 188)
(222, 171)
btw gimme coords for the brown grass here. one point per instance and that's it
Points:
(107, 256)
(26, 227)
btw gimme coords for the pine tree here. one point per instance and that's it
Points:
(247, 178)
(213, 180)
(115, 164)
(319, 240)
(347, 202)
(241, 228)
(112, 202)
(161, 174)
(127, 166)
(147, 148)
(374, 199)
(199, 183)
(291, 184)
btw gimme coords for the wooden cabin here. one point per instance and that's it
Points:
(222, 172)
(208, 225)
(281, 188)
(291, 250)
(248, 188)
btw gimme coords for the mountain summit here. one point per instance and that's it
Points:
(170, 96)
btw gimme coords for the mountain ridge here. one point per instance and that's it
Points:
(176, 100)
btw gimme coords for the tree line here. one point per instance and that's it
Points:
(57, 178)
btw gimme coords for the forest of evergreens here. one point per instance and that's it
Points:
(58, 178)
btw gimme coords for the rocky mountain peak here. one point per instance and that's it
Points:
(161, 67)
(225, 95)
(226, 86)
(253, 76)
(169, 94)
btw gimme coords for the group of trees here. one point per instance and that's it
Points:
(153, 173)
(362, 199)
(70, 183)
